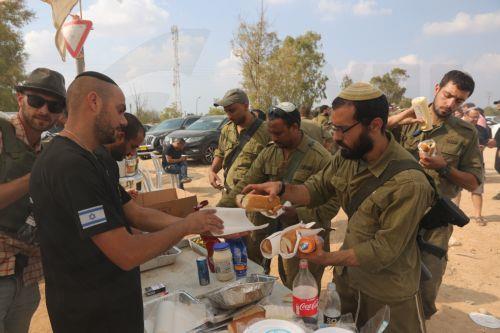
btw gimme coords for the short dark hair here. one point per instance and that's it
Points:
(134, 126)
(289, 118)
(305, 111)
(366, 111)
(461, 79)
(323, 108)
(97, 75)
(180, 140)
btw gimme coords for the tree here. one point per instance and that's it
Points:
(346, 82)
(13, 16)
(147, 116)
(214, 111)
(294, 71)
(253, 44)
(390, 84)
(491, 111)
(170, 112)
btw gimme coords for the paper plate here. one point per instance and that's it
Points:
(235, 221)
(280, 212)
(274, 326)
(485, 320)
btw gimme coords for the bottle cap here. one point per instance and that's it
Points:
(221, 246)
(303, 264)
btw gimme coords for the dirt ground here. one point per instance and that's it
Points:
(472, 279)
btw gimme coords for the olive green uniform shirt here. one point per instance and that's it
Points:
(313, 130)
(458, 143)
(229, 140)
(322, 119)
(271, 166)
(383, 230)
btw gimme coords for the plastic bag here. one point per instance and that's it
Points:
(379, 322)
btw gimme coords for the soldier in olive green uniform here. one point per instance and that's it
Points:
(378, 263)
(324, 116)
(305, 158)
(237, 150)
(314, 130)
(457, 165)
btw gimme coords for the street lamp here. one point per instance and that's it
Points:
(197, 99)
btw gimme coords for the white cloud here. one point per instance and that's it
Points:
(488, 63)
(228, 72)
(369, 7)
(410, 59)
(330, 9)
(126, 17)
(464, 23)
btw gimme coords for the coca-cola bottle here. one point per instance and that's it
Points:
(332, 313)
(305, 295)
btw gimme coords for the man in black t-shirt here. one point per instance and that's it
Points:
(174, 161)
(90, 256)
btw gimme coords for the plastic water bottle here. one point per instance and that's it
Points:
(331, 314)
(305, 295)
(240, 257)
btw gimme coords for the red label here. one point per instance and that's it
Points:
(305, 307)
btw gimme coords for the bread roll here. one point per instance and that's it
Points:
(266, 246)
(288, 240)
(259, 203)
(242, 320)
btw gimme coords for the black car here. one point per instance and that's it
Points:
(202, 137)
(153, 140)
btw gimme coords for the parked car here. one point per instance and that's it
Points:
(154, 137)
(202, 137)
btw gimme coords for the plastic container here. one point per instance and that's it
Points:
(240, 257)
(331, 314)
(306, 295)
(223, 262)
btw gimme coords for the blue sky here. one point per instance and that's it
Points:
(131, 42)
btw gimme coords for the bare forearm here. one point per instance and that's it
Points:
(147, 219)
(128, 251)
(216, 164)
(463, 179)
(297, 194)
(12, 191)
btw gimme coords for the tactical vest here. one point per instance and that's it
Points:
(16, 160)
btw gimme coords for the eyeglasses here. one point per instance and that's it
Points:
(37, 102)
(344, 129)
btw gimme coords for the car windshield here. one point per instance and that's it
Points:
(206, 123)
(168, 125)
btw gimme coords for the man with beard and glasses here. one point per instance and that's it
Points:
(378, 263)
(41, 99)
(90, 256)
(457, 165)
(240, 141)
(293, 156)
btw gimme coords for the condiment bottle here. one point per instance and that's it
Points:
(223, 262)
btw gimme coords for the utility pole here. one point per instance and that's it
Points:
(80, 60)
(197, 99)
(177, 78)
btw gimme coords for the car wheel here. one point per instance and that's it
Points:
(208, 154)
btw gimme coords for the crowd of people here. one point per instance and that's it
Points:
(64, 216)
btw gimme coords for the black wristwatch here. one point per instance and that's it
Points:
(282, 190)
(444, 171)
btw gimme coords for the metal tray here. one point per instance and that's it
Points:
(162, 260)
(242, 292)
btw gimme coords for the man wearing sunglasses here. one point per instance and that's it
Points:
(378, 262)
(41, 99)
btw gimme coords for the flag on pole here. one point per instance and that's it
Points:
(60, 11)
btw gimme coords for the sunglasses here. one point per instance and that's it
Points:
(37, 102)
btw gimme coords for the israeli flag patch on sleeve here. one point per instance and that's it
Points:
(92, 216)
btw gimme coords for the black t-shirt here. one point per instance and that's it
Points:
(172, 152)
(483, 135)
(112, 167)
(75, 198)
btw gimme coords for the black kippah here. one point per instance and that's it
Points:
(98, 76)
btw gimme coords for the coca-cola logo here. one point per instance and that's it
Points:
(305, 307)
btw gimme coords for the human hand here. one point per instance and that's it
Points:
(184, 158)
(432, 162)
(204, 222)
(318, 256)
(270, 188)
(491, 143)
(215, 180)
(133, 194)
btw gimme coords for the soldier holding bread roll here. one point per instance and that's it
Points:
(378, 263)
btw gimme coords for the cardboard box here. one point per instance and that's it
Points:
(172, 201)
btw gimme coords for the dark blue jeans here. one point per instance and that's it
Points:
(180, 168)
